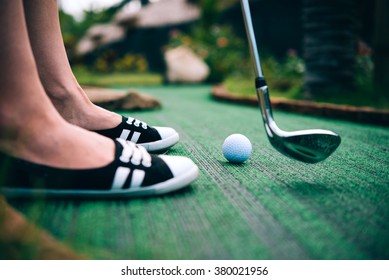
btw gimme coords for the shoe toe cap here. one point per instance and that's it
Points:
(179, 165)
(165, 132)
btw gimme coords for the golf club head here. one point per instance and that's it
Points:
(310, 146)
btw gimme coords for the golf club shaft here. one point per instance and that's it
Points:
(260, 83)
(251, 38)
(310, 146)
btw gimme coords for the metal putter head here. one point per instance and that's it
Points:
(311, 146)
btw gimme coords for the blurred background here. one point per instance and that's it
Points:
(334, 51)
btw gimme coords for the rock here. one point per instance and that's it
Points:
(121, 99)
(140, 101)
(184, 66)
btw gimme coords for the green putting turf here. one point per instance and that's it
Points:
(271, 207)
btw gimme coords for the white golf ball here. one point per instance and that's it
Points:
(237, 148)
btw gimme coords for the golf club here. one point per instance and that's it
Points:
(310, 146)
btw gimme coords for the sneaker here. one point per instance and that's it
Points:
(133, 173)
(154, 139)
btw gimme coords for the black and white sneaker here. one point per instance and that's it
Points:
(133, 173)
(154, 139)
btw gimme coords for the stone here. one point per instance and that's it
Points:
(184, 66)
(121, 99)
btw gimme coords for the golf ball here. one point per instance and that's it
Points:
(237, 148)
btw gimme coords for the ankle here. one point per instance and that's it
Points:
(59, 92)
(71, 102)
(76, 108)
(21, 136)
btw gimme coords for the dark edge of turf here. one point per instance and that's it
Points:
(366, 115)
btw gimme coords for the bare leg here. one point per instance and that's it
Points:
(55, 72)
(30, 127)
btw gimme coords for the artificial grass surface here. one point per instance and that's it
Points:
(271, 207)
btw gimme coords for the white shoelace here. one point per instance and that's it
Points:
(137, 123)
(134, 153)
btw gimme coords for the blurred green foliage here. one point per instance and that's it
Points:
(224, 53)
(73, 30)
(109, 61)
(284, 77)
(114, 79)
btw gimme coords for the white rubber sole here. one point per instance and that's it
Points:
(168, 186)
(161, 145)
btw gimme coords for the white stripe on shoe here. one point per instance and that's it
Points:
(125, 134)
(137, 178)
(122, 174)
(120, 178)
(135, 137)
